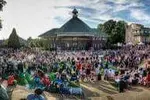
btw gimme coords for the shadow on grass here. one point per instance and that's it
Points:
(109, 98)
(134, 89)
(89, 93)
(104, 82)
(109, 87)
(112, 83)
(106, 90)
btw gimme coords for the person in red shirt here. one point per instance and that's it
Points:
(148, 77)
(78, 66)
(45, 81)
(11, 80)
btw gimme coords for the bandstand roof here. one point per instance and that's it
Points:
(51, 32)
(74, 27)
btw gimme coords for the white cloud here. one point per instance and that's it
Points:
(121, 7)
(123, 1)
(139, 15)
(33, 17)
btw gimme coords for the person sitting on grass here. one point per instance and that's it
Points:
(74, 77)
(3, 90)
(36, 96)
(147, 79)
(11, 80)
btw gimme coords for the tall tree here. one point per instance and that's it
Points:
(13, 41)
(115, 30)
(2, 3)
(100, 27)
(108, 26)
(118, 33)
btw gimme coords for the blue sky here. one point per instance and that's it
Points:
(34, 17)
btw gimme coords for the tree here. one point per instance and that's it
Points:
(2, 3)
(100, 27)
(108, 26)
(13, 41)
(29, 39)
(29, 42)
(118, 33)
(46, 44)
(115, 30)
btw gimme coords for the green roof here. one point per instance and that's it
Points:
(51, 32)
(73, 27)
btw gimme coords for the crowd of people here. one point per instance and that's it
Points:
(62, 71)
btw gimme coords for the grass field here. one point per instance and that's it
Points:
(92, 91)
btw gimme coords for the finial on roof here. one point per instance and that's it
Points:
(75, 12)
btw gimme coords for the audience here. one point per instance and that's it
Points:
(44, 69)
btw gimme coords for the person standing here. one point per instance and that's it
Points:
(3, 90)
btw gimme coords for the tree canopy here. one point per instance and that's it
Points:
(115, 30)
(2, 3)
(13, 41)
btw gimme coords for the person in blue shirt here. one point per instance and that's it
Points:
(36, 96)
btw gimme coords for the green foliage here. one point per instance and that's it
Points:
(46, 44)
(40, 43)
(115, 30)
(29, 39)
(118, 33)
(108, 26)
(13, 41)
(2, 3)
(100, 27)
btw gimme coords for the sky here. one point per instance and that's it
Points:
(34, 17)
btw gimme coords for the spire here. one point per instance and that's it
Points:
(75, 12)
